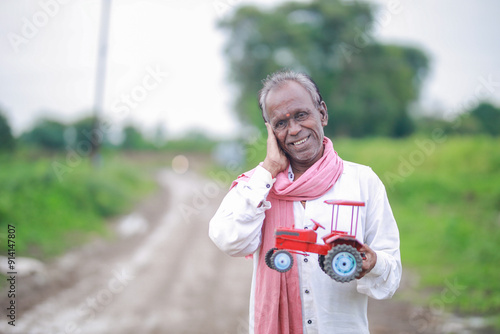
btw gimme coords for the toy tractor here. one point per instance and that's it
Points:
(339, 257)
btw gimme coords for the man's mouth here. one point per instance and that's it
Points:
(300, 142)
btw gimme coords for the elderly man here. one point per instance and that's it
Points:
(301, 170)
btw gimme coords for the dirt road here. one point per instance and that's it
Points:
(160, 273)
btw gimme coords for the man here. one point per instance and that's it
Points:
(301, 170)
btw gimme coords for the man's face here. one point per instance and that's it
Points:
(297, 123)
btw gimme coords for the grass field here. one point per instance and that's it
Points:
(446, 199)
(445, 195)
(53, 210)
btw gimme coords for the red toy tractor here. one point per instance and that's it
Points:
(339, 257)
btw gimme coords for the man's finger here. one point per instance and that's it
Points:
(272, 143)
(270, 133)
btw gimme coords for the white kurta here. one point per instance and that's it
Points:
(327, 306)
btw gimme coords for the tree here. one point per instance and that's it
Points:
(7, 141)
(366, 85)
(488, 117)
(133, 139)
(84, 130)
(46, 133)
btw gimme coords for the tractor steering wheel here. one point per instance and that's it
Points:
(316, 225)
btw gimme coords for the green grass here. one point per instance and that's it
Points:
(51, 213)
(445, 195)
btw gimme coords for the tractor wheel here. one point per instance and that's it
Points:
(321, 261)
(343, 263)
(282, 261)
(268, 257)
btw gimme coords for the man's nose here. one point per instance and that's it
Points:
(293, 127)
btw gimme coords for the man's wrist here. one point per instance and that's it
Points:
(262, 175)
(258, 186)
(380, 265)
(271, 167)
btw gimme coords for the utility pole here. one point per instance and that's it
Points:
(100, 81)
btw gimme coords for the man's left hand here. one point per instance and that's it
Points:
(369, 261)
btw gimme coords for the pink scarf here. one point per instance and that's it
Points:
(278, 308)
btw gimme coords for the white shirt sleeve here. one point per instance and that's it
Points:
(381, 235)
(236, 226)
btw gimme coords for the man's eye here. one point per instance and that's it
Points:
(280, 125)
(301, 116)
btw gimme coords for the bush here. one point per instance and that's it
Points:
(51, 215)
(7, 142)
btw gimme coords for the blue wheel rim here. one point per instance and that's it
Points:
(344, 264)
(282, 261)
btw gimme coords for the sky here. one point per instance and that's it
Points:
(166, 68)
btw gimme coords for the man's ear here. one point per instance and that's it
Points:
(323, 111)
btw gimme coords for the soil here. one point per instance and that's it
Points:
(160, 273)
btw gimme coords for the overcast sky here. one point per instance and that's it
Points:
(166, 66)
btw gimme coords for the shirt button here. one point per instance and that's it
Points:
(307, 291)
(305, 259)
(309, 322)
(268, 186)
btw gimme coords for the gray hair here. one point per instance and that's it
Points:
(279, 78)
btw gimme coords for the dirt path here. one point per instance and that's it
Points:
(160, 274)
(169, 279)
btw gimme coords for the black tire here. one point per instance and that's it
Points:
(282, 261)
(268, 257)
(321, 261)
(343, 263)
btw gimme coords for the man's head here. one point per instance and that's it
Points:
(292, 105)
(277, 79)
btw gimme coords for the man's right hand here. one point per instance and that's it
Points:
(276, 160)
